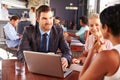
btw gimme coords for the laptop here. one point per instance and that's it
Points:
(46, 64)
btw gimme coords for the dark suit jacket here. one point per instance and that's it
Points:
(31, 41)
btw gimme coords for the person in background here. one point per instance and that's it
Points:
(57, 22)
(32, 15)
(83, 32)
(23, 24)
(96, 34)
(63, 24)
(12, 37)
(106, 64)
(33, 37)
(4, 12)
(70, 25)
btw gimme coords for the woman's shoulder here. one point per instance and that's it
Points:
(107, 58)
(108, 53)
(110, 57)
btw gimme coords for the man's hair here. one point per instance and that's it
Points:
(3, 4)
(84, 19)
(57, 17)
(15, 17)
(25, 15)
(111, 17)
(33, 8)
(43, 8)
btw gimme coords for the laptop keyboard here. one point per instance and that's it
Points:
(65, 70)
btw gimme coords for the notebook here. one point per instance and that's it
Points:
(46, 64)
(76, 67)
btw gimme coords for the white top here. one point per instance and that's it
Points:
(4, 14)
(90, 42)
(116, 76)
(32, 17)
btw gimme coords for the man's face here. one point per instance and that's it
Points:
(57, 21)
(81, 23)
(46, 21)
(15, 22)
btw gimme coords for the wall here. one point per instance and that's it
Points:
(72, 15)
(18, 11)
(107, 3)
(59, 6)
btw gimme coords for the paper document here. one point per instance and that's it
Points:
(76, 67)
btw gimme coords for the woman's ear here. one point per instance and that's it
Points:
(107, 29)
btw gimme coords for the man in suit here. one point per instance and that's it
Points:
(32, 37)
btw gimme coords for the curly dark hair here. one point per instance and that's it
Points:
(84, 19)
(111, 17)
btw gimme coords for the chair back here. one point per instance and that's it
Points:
(4, 33)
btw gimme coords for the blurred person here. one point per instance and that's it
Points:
(57, 22)
(63, 25)
(12, 37)
(106, 64)
(96, 34)
(32, 37)
(70, 25)
(4, 12)
(32, 15)
(23, 24)
(83, 32)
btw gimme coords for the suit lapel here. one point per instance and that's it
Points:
(38, 39)
(53, 40)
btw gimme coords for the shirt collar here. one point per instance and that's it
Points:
(42, 32)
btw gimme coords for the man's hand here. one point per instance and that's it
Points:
(75, 61)
(20, 36)
(64, 62)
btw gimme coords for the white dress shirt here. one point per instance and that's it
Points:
(12, 38)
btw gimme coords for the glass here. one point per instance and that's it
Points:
(19, 68)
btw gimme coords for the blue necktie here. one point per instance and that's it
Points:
(44, 42)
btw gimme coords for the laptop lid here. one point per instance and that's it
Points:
(45, 63)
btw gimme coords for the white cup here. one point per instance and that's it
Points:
(19, 68)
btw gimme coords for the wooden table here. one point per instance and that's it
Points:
(75, 45)
(8, 73)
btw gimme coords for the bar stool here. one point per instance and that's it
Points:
(10, 50)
